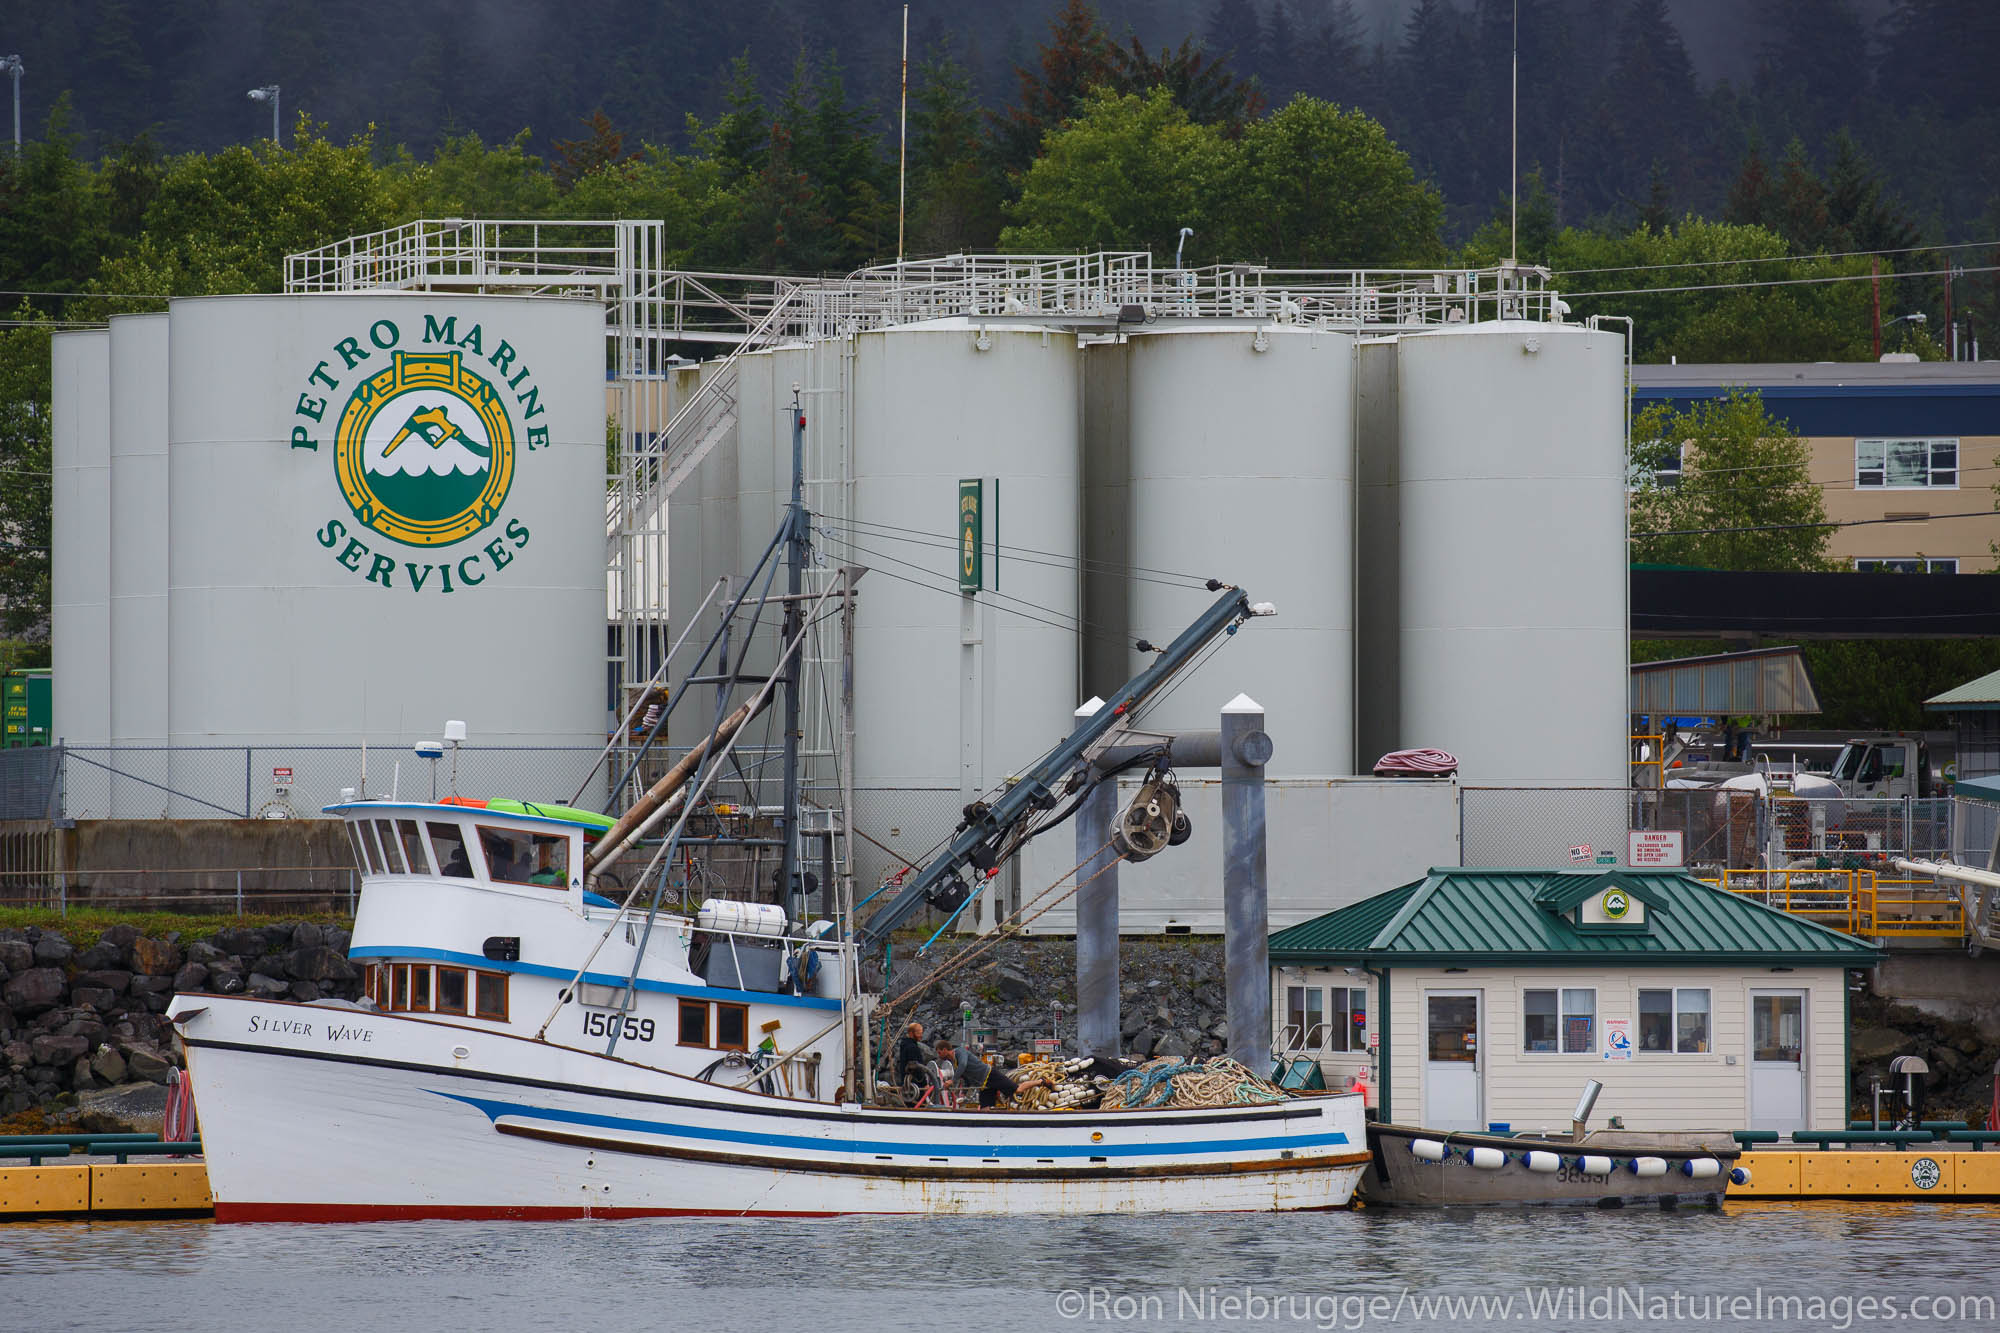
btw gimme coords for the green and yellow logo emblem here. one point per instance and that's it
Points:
(424, 451)
(1615, 904)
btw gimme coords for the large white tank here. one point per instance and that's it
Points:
(931, 406)
(79, 573)
(138, 553)
(1513, 560)
(1242, 463)
(385, 511)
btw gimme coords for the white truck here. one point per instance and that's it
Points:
(1887, 765)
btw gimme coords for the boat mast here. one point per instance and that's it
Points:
(795, 568)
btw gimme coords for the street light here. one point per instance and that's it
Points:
(15, 69)
(268, 93)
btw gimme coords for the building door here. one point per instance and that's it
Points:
(1777, 1060)
(1453, 1061)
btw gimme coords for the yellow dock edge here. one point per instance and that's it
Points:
(182, 1187)
(1911, 1174)
(105, 1188)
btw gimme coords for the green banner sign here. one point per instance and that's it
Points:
(971, 534)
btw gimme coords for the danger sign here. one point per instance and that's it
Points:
(1655, 849)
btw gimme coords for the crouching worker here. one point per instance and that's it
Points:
(914, 1059)
(976, 1074)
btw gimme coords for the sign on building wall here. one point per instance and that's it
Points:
(971, 534)
(422, 426)
(1618, 1039)
(1655, 849)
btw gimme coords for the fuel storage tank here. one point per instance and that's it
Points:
(1511, 516)
(385, 510)
(79, 565)
(1241, 458)
(138, 563)
(950, 690)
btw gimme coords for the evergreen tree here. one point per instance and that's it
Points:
(1077, 59)
(1202, 85)
(955, 189)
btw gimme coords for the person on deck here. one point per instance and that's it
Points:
(977, 1074)
(914, 1058)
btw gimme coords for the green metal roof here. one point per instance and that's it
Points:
(1974, 694)
(1456, 916)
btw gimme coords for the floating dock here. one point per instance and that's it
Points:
(110, 1189)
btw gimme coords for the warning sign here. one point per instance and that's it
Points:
(1580, 852)
(1655, 849)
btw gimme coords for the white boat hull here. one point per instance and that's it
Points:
(324, 1114)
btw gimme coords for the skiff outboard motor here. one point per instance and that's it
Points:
(1911, 1069)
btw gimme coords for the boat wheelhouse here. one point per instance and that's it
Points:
(476, 912)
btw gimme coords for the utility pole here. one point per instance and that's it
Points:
(268, 93)
(15, 69)
(903, 138)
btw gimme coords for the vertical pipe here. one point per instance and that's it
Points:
(1097, 1017)
(1246, 748)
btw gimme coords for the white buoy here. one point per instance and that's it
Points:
(1596, 1166)
(1701, 1168)
(1430, 1150)
(1543, 1161)
(1739, 1175)
(1648, 1167)
(1487, 1159)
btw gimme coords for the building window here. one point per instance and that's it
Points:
(1905, 464)
(1911, 565)
(1349, 1029)
(1674, 1020)
(1564, 1020)
(1305, 1019)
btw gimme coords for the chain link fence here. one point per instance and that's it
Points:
(1720, 829)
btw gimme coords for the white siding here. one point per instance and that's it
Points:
(1336, 1066)
(1650, 1091)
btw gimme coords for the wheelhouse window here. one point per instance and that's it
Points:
(516, 856)
(1559, 1020)
(361, 858)
(1906, 464)
(412, 838)
(490, 995)
(448, 841)
(451, 990)
(392, 851)
(427, 988)
(1674, 1020)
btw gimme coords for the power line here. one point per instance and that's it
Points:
(1797, 527)
(1781, 282)
(1781, 259)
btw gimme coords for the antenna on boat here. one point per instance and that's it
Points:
(454, 736)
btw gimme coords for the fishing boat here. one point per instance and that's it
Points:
(530, 1046)
(1413, 1167)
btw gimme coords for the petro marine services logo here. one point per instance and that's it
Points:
(425, 450)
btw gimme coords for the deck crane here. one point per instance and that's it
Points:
(992, 831)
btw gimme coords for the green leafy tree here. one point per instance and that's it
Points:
(1745, 497)
(1314, 186)
(24, 481)
(1126, 174)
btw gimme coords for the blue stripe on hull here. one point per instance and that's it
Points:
(595, 978)
(495, 1109)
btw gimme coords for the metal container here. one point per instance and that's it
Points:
(1242, 469)
(80, 516)
(384, 511)
(1512, 550)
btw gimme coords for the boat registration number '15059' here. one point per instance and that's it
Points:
(605, 1025)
